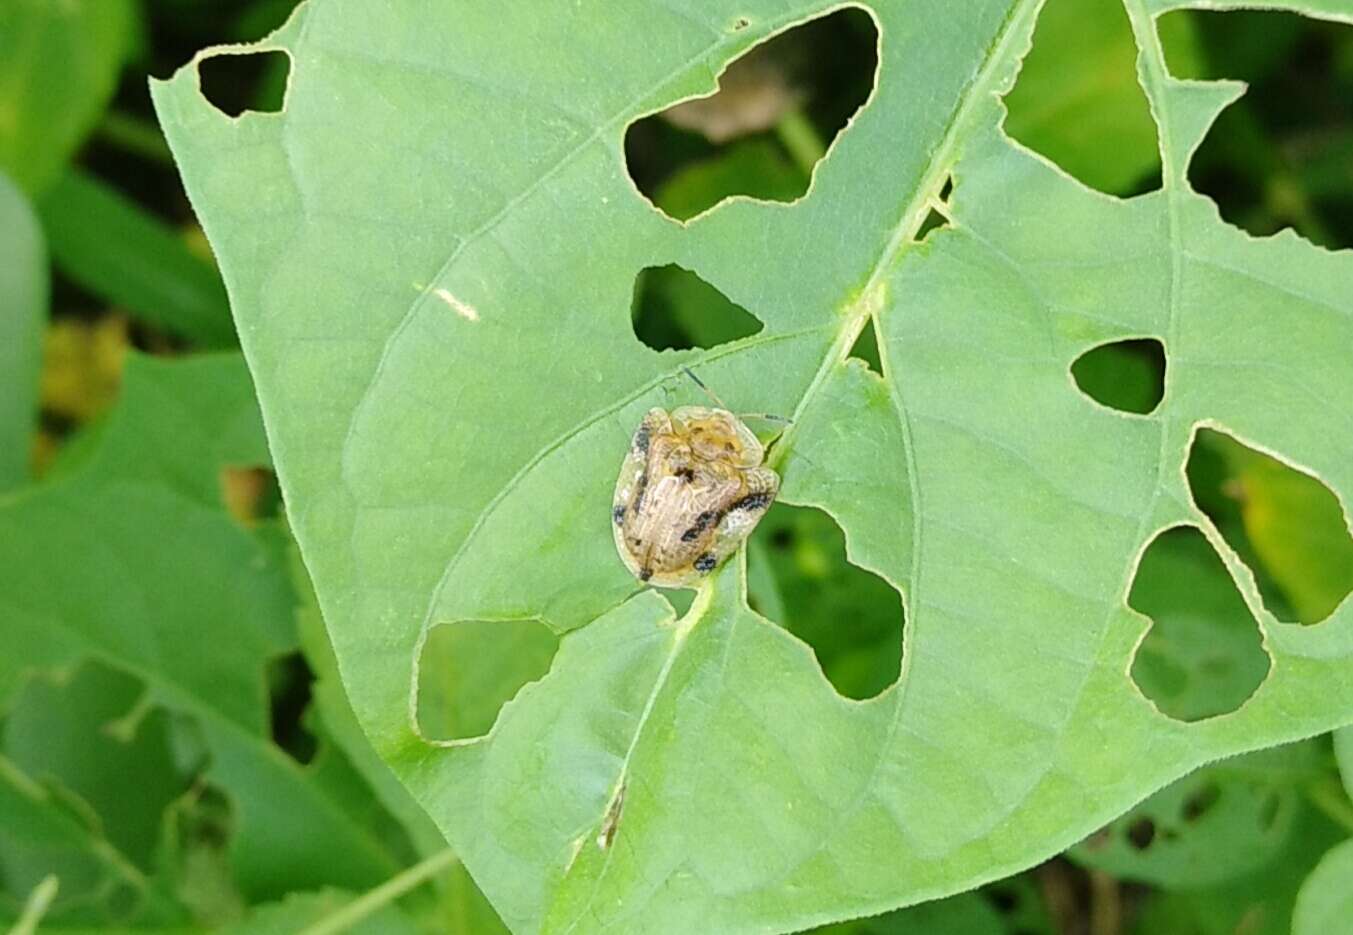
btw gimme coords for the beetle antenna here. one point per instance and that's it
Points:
(766, 416)
(700, 383)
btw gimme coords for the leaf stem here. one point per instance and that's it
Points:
(136, 136)
(38, 903)
(387, 892)
(798, 135)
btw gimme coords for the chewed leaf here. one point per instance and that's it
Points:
(434, 289)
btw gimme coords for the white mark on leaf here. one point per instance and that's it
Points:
(463, 309)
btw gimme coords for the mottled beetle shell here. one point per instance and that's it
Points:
(691, 489)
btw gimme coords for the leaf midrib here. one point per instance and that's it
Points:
(868, 304)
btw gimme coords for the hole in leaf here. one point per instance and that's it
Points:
(289, 691)
(1125, 375)
(1283, 522)
(799, 576)
(250, 494)
(1200, 802)
(1141, 833)
(469, 670)
(935, 218)
(1078, 102)
(250, 81)
(866, 348)
(1004, 901)
(933, 221)
(1279, 156)
(674, 309)
(778, 109)
(1202, 656)
(1268, 811)
(201, 828)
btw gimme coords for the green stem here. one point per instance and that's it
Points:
(801, 139)
(36, 907)
(387, 892)
(136, 136)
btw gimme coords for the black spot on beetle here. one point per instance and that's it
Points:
(645, 574)
(753, 501)
(704, 563)
(640, 486)
(641, 439)
(618, 515)
(702, 522)
(685, 474)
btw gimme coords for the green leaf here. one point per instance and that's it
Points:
(46, 830)
(304, 912)
(1223, 822)
(23, 314)
(174, 591)
(108, 244)
(433, 291)
(458, 898)
(59, 64)
(1259, 903)
(1325, 902)
(64, 734)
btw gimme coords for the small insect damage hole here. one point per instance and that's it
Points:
(1279, 156)
(250, 494)
(1269, 808)
(1284, 523)
(201, 829)
(1141, 833)
(1202, 656)
(290, 683)
(799, 576)
(674, 309)
(1018, 905)
(1125, 375)
(937, 217)
(250, 81)
(468, 670)
(866, 348)
(1003, 900)
(1200, 802)
(779, 108)
(1078, 102)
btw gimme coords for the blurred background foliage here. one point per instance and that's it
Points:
(176, 751)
